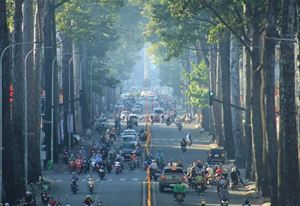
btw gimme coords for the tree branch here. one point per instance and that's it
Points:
(60, 3)
(228, 26)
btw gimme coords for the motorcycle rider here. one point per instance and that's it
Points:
(234, 176)
(223, 183)
(153, 168)
(223, 194)
(133, 159)
(90, 179)
(183, 143)
(88, 201)
(74, 177)
(189, 138)
(120, 159)
(159, 156)
(29, 199)
(200, 181)
(219, 170)
(180, 187)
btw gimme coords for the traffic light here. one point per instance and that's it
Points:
(211, 96)
(11, 94)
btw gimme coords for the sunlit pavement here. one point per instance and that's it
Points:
(127, 188)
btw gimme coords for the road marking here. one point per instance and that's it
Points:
(135, 179)
(144, 193)
(109, 180)
(153, 194)
(122, 179)
(58, 180)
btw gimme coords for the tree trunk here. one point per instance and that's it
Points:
(8, 193)
(36, 104)
(216, 108)
(34, 169)
(248, 135)
(248, 97)
(77, 50)
(269, 100)
(66, 49)
(236, 100)
(289, 191)
(256, 100)
(225, 64)
(48, 46)
(55, 85)
(17, 155)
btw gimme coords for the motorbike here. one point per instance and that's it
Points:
(224, 203)
(179, 126)
(154, 175)
(72, 166)
(160, 164)
(74, 187)
(66, 156)
(132, 164)
(200, 188)
(109, 166)
(183, 148)
(44, 198)
(86, 166)
(168, 122)
(101, 172)
(118, 167)
(91, 185)
(179, 197)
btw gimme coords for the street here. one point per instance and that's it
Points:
(129, 187)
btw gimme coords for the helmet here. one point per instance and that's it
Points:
(203, 203)
(153, 161)
(88, 196)
(73, 173)
(28, 193)
(6, 204)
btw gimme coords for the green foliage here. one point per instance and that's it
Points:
(198, 87)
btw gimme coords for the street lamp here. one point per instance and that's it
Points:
(1, 100)
(25, 112)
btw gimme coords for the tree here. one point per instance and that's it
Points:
(17, 153)
(34, 167)
(289, 181)
(7, 167)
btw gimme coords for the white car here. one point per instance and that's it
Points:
(134, 119)
(124, 115)
(129, 132)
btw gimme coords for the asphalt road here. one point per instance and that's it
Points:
(168, 140)
(128, 189)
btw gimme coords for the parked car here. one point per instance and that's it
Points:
(170, 176)
(216, 155)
